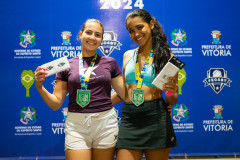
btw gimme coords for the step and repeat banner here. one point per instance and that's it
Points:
(203, 34)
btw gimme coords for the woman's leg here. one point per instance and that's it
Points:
(103, 154)
(129, 154)
(78, 154)
(157, 154)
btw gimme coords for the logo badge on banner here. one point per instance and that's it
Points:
(217, 79)
(180, 116)
(66, 49)
(28, 118)
(28, 115)
(218, 124)
(27, 39)
(216, 37)
(27, 79)
(109, 43)
(218, 111)
(179, 39)
(180, 113)
(66, 37)
(182, 76)
(216, 49)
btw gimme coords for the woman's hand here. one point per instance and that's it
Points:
(171, 89)
(39, 76)
(171, 86)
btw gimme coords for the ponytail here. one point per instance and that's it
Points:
(161, 49)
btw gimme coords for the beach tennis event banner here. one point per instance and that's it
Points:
(203, 34)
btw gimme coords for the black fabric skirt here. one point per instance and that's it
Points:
(147, 126)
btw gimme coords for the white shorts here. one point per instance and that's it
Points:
(91, 130)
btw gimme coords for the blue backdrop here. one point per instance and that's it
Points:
(203, 34)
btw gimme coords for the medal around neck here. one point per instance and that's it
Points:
(83, 97)
(138, 94)
(138, 97)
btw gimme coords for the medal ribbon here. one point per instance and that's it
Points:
(84, 78)
(138, 75)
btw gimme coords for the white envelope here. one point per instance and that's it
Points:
(56, 66)
(169, 70)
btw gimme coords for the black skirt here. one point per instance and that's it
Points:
(147, 126)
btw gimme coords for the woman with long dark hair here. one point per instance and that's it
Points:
(146, 125)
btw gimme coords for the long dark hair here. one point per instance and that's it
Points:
(161, 49)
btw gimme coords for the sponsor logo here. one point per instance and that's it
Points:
(28, 118)
(66, 49)
(179, 37)
(66, 37)
(217, 48)
(218, 111)
(28, 115)
(217, 79)
(216, 37)
(180, 113)
(182, 77)
(109, 43)
(218, 124)
(179, 40)
(27, 39)
(27, 80)
(180, 116)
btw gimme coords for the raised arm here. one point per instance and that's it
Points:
(56, 99)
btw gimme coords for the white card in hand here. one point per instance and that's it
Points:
(169, 70)
(56, 66)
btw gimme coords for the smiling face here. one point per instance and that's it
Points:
(140, 31)
(91, 37)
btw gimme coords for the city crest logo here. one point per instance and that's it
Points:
(66, 37)
(217, 48)
(218, 111)
(27, 39)
(109, 43)
(216, 37)
(217, 79)
(179, 37)
(180, 113)
(28, 115)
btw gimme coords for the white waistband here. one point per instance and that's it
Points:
(87, 118)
